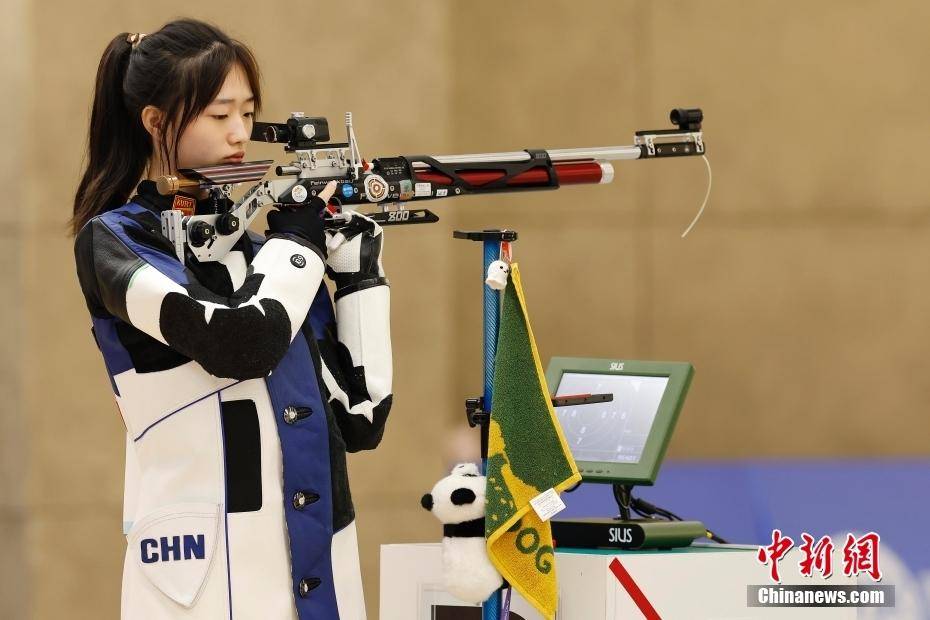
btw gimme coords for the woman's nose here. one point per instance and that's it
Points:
(239, 132)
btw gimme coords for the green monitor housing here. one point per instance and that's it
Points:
(622, 441)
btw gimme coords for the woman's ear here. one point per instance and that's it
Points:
(153, 121)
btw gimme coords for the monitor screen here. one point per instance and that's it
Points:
(611, 432)
(624, 439)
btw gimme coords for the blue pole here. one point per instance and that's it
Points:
(490, 610)
(492, 318)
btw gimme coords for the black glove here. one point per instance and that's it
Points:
(305, 221)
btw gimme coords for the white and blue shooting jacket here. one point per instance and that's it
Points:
(241, 387)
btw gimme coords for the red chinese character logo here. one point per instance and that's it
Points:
(860, 555)
(774, 552)
(816, 556)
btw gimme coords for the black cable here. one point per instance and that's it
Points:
(647, 510)
(651, 508)
(716, 538)
(624, 499)
(644, 515)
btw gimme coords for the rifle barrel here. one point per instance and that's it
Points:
(556, 155)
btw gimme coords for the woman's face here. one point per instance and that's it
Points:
(220, 134)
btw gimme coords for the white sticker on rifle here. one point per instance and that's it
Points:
(442, 192)
(547, 504)
(299, 193)
(423, 189)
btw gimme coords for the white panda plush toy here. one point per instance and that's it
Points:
(458, 502)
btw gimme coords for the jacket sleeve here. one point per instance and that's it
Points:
(243, 336)
(358, 365)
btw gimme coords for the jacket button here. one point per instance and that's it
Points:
(303, 498)
(292, 414)
(306, 585)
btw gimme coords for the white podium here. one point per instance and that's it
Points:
(691, 583)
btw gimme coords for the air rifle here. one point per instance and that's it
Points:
(390, 182)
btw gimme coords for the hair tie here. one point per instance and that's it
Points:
(135, 38)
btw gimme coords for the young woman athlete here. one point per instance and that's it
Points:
(241, 384)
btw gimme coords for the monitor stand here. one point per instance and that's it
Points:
(624, 532)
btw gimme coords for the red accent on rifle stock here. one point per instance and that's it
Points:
(567, 173)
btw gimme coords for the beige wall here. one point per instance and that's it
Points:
(14, 512)
(800, 297)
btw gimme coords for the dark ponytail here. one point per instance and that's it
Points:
(118, 147)
(179, 70)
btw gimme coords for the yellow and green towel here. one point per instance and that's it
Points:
(527, 455)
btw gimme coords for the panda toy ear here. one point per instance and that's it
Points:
(465, 469)
(460, 497)
(427, 501)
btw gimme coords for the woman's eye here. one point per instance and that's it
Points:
(219, 117)
(250, 114)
